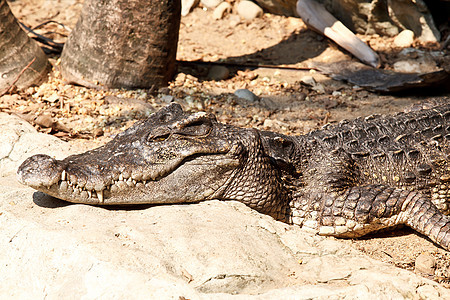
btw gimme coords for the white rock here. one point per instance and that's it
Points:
(210, 3)
(187, 5)
(220, 11)
(248, 10)
(308, 80)
(425, 263)
(404, 39)
(167, 98)
(428, 292)
(407, 66)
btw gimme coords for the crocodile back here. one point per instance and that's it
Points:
(407, 150)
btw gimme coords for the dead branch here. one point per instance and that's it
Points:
(7, 89)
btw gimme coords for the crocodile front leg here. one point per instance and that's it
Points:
(360, 210)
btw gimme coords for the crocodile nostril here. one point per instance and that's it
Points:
(39, 170)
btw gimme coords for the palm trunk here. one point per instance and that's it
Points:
(123, 44)
(22, 61)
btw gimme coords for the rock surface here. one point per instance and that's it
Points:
(52, 249)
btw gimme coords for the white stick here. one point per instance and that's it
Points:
(317, 17)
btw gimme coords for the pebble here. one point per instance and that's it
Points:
(52, 98)
(210, 3)
(44, 120)
(167, 98)
(425, 263)
(187, 5)
(220, 11)
(246, 94)
(248, 10)
(218, 73)
(9, 99)
(428, 292)
(407, 66)
(309, 80)
(404, 39)
(98, 132)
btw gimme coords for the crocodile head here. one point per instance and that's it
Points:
(171, 157)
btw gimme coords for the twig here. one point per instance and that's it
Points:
(57, 47)
(241, 66)
(52, 21)
(6, 90)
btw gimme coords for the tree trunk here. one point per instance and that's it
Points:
(123, 44)
(22, 61)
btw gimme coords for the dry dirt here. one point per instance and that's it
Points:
(267, 56)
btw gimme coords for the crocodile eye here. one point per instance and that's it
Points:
(161, 138)
(158, 137)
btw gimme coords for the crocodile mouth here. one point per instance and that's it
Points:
(158, 183)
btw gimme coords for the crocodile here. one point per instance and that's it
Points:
(345, 180)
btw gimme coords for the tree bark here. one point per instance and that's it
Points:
(123, 44)
(22, 61)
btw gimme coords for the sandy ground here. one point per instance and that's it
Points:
(267, 56)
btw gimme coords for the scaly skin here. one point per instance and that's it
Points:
(345, 180)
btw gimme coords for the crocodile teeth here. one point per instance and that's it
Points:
(89, 194)
(63, 175)
(120, 177)
(100, 196)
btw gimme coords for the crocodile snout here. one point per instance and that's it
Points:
(40, 171)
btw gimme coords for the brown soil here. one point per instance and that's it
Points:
(267, 56)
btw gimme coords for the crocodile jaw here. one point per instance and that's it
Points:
(182, 180)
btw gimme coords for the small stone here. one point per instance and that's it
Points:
(221, 10)
(9, 99)
(98, 132)
(234, 20)
(167, 98)
(52, 98)
(404, 39)
(428, 292)
(164, 91)
(268, 123)
(246, 94)
(218, 73)
(210, 3)
(425, 263)
(248, 10)
(187, 5)
(407, 66)
(45, 120)
(308, 80)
